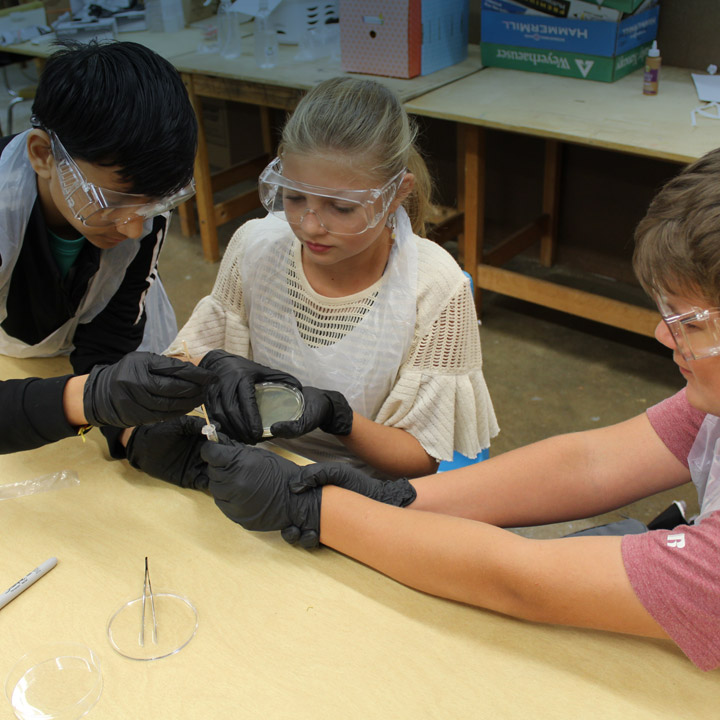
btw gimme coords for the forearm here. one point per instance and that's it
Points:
(562, 478)
(391, 450)
(577, 581)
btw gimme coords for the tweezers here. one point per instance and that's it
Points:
(147, 586)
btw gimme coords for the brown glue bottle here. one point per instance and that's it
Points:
(651, 79)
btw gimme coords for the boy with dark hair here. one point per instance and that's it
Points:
(84, 202)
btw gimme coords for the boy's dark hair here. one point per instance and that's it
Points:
(120, 104)
(677, 243)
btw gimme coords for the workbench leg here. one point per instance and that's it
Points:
(203, 183)
(186, 213)
(473, 204)
(551, 202)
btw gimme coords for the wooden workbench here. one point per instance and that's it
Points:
(284, 632)
(611, 116)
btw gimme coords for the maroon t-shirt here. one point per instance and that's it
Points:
(676, 573)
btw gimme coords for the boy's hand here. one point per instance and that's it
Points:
(324, 409)
(143, 388)
(231, 401)
(250, 485)
(391, 492)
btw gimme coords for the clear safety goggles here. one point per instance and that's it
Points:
(96, 206)
(340, 212)
(696, 331)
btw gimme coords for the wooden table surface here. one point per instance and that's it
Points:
(286, 633)
(614, 116)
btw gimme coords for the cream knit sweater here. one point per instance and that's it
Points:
(440, 396)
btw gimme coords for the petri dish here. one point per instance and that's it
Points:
(277, 402)
(59, 681)
(176, 624)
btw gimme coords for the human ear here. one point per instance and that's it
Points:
(40, 153)
(406, 187)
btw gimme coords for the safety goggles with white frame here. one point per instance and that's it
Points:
(340, 212)
(96, 206)
(696, 330)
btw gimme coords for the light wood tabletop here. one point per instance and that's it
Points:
(165, 44)
(614, 116)
(284, 632)
(611, 116)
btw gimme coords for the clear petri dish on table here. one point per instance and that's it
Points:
(166, 626)
(277, 402)
(58, 681)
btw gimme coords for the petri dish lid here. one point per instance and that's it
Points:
(277, 402)
(171, 621)
(59, 681)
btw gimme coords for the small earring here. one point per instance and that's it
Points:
(392, 224)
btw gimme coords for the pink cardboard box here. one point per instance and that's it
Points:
(402, 38)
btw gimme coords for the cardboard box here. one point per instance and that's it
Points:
(54, 9)
(584, 37)
(627, 6)
(195, 10)
(575, 9)
(554, 62)
(233, 132)
(402, 38)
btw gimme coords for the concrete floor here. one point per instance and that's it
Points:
(547, 372)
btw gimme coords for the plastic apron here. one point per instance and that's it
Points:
(18, 191)
(364, 364)
(704, 463)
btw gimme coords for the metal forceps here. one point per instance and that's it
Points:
(147, 586)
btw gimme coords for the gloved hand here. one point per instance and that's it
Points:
(170, 451)
(143, 388)
(324, 409)
(250, 485)
(391, 492)
(231, 401)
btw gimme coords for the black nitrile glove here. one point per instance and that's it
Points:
(143, 388)
(324, 409)
(231, 401)
(391, 492)
(171, 451)
(250, 485)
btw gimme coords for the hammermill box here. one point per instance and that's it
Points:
(519, 37)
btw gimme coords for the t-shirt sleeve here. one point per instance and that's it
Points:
(677, 424)
(676, 576)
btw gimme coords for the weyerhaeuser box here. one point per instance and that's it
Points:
(575, 65)
(402, 38)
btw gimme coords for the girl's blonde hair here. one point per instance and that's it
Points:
(677, 243)
(363, 119)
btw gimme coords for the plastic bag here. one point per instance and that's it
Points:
(56, 481)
